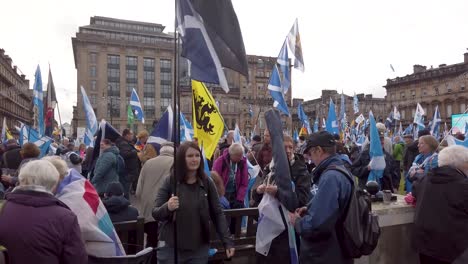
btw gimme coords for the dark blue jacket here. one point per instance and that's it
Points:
(119, 209)
(331, 193)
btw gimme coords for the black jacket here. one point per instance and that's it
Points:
(210, 209)
(359, 169)
(119, 209)
(409, 153)
(130, 156)
(11, 159)
(441, 216)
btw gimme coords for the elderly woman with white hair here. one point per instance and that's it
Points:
(36, 227)
(440, 223)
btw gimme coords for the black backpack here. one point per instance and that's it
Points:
(359, 229)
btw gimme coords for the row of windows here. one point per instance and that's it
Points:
(128, 37)
(127, 26)
(424, 92)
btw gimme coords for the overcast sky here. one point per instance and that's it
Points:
(347, 45)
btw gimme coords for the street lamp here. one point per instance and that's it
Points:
(111, 102)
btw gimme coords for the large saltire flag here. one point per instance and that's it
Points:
(332, 123)
(97, 230)
(211, 39)
(283, 62)
(436, 120)
(304, 118)
(164, 130)
(377, 163)
(91, 121)
(186, 129)
(208, 123)
(28, 134)
(408, 130)
(294, 41)
(276, 92)
(418, 115)
(38, 109)
(5, 132)
(136, 106)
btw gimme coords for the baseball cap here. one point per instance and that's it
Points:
(322, 139)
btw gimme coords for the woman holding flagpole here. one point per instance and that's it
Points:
(194, 203)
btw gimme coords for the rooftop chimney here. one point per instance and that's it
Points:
(465, 57)
(418, 68)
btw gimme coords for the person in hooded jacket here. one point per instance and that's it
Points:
(117, 205)
(441, 216)
(105, 170)
(132, 162)
(28, 152)
(11, 158)
(36, 227)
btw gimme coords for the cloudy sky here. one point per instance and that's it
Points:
(347, 45)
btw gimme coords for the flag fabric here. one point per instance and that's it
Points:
(130, 116)
(296, 135)
(106, 131)
(38, 109)
(270, 224)
(377, 163)
(400, 130)
(211, 41)
(389, 121)
(304, 118)
(408, 130)
(5, 132)
(360, 118)
(324, 123)
(250, 110)
(283, 62)
(316, 125)
(186, 129)
(294, 42)
(391, 67)
(396, 113)
(28, 134)
(418, 115)
(91, 121)
(208, 123)
(436, 120)
(446, 131)
(136, 106)
(332, 124)
(164, 130)
(206, 167)
(237, 135)
(96, 227)
(49, 105)
(355, 104)
(276, 92)
(342, 107)
(303, 131)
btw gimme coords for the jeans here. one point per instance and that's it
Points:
(198, 256)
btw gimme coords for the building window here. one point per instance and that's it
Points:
(92, 57)
(449, 110)
(92, 99)
(403, 114)
(148, 104)
(93, 85)
(92, 71)
(392, 96)
(462, 107)
(148, 90)
(113, 89)
(424, 92)
(449, 89)
(462, 87)
(413, 93)
(130, 87)
(165, 65)
(132, 76)
(402, 95)
(113, 75)
(148, 76)
(113, 59)
(148, 63)
(132, 61)
(165, 102)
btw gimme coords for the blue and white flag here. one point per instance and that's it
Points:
(91, 121)
(355, 104)
(396, 113)
(136, 106)
(250, 111)
(38, 109)
(211, 41)
(28, 134)
(316, 125)
(324, 123)
(332, 123)
(360, 119)
(164, 130)
(418, 115)
(377, 163)
(408, 130)
(296, 136)
(186, 129)
(304, 118)
(276, 92)
(400, 130)
(283, 62)
(237, 135)
(436, 120)
(294, 42)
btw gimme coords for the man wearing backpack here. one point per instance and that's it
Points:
(318, 223)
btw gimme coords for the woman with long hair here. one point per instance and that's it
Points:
(189, 199)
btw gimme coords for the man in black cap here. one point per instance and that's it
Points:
(330, 194)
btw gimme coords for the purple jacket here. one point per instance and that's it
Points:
(242, 174)
(35, 227)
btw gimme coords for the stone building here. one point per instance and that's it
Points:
(444, 86)
(15, 95)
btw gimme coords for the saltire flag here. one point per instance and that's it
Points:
(96, 227)
(355, 104)
(316, 125)
(250, 110)
(389, 120)
(360, 119)
(106, 131)
(208, 123)
(283, 62)
(296, 135)
(276, 92)
(211, 41)
(237, 135)
(91, 121)
(391, 67)
(418, 115)
(400, 130)
(304, 118)
(294, 42)
(164, 130)
(186, 129)
(377, 163)
(28, 134)
(5, 132)
(136, 106)
(436, 120)
(49, 105)
(396, 113)
(38, 109)
(130, 116)
(408, 130)
(332, 123)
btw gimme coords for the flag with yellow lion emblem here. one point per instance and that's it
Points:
(208, 124)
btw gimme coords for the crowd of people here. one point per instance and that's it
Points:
(134, 178)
